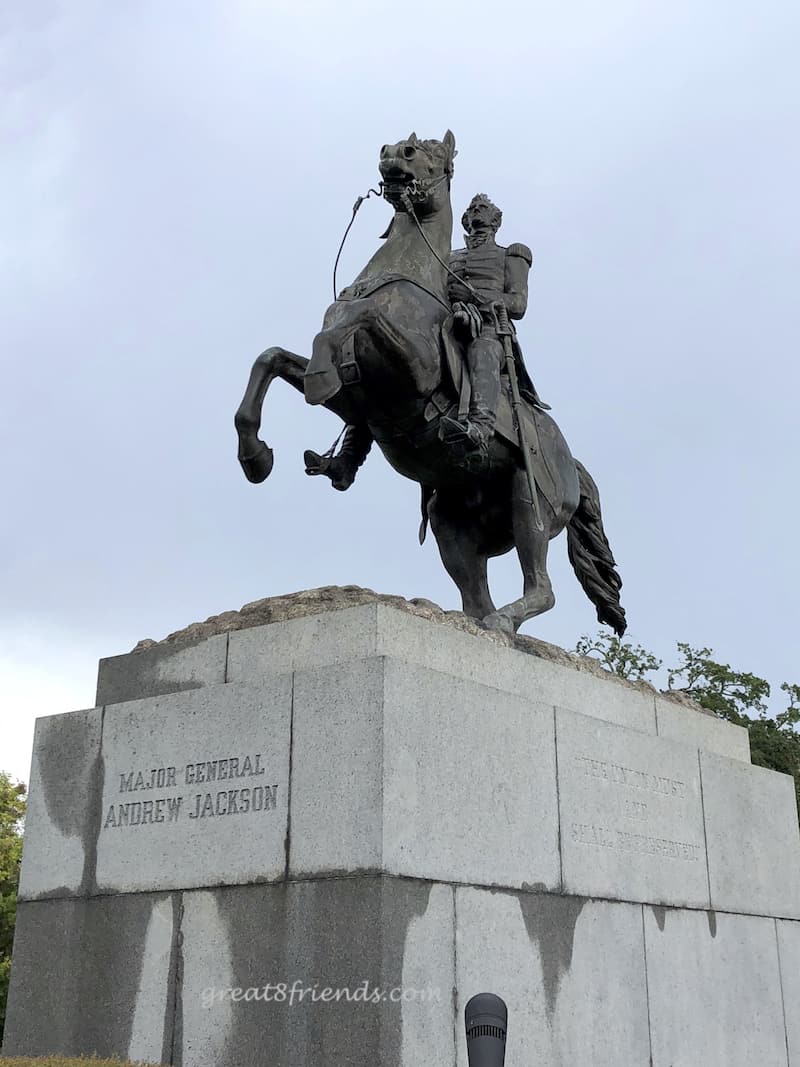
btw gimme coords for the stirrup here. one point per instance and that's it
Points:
(468, 443)
(452, 431)
(340, 469)
(473, 435)
(315, 463)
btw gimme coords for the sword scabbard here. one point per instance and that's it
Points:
(504, 330)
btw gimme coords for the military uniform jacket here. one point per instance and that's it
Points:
(496, 273)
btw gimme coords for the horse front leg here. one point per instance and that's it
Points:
(256, 457)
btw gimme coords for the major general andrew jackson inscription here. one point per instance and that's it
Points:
(239, 800)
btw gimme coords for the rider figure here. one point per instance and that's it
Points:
(494, 275)
(486, 275)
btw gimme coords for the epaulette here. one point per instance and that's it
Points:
(522, 251)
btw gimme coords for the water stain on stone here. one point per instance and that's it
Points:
(98, 944)
(660, 915)
(93, 823)
(71, 776)
(63, 749)
(147, 673)
(335, 933)
(550, 922)
(712, 922)
(172, 1049)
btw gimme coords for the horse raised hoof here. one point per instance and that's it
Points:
(257, 465)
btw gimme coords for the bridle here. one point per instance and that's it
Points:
(415, 191)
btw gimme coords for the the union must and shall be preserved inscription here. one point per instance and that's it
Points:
(239, 800)
(631, 814)
(627, 840)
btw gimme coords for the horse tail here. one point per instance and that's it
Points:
(590, 555)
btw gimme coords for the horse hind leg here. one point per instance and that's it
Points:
(255, 456)
(537, 595)
(457, 539)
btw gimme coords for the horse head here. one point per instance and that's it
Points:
(419, 171)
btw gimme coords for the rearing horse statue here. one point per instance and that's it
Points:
(383, 363)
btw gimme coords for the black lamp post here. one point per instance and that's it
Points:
(486, 1021)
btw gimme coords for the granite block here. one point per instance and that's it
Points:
(714, 989)
(469, 791)
(789, 955)
(63, 808)
(164, 668)
(631, 815)
(414, 772)
(690, 727)
(94, 976)
(337, 769)
(317, 641)
(303, 644)
(472, 658)
(196, 788)
(753, 838)
(347, 971)
(376, 629)
(571, 971)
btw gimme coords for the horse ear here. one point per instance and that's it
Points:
(449, 143)
(411, 137)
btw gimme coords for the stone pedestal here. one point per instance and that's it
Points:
(313, 841)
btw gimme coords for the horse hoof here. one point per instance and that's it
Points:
(500, 622)
(257, 465)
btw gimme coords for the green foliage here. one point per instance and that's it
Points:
(12, 813)
(735, 695)
(738, 696)
(792, 714)
(620, 657)
(716, 686)
(775, 743)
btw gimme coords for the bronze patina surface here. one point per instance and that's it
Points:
(419, 354)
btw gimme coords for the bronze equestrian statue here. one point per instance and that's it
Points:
(411, 355)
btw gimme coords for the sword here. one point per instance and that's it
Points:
(504, 331)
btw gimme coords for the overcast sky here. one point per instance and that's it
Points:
(175, 180)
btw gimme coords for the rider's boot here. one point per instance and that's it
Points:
(469, 440)
(342, 468)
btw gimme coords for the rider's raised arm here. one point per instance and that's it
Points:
(518, 264)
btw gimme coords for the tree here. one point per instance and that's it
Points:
(716, 686)
(775, 743)
(737, 696)
(12, 813)
(619, 657)
(734, 695)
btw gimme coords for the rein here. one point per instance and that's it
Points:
(356, 206)
(415, 190)
(461, 281)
